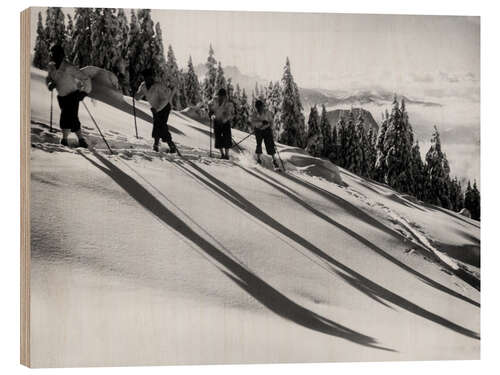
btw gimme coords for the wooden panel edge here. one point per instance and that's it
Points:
(25, 148)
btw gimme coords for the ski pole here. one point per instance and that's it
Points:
(279, 156)
(97, 127)
(211, 136)
(135, 118)
(236, 144)
(51, 105)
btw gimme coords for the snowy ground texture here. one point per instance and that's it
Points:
(141, 258)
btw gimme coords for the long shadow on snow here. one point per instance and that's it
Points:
(460, 273)
(295, 196)
(248, 281)
(352, 277)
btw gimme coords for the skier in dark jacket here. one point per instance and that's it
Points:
(262, 121)
(72, 86)
(159, 97)
(221, 112)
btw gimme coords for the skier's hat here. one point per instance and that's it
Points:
(221, 92)
(259, 103)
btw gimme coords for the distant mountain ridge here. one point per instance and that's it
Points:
(314, 96)
(369, 122)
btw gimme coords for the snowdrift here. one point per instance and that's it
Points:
(213, 261)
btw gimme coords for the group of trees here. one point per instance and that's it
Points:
(106, 38)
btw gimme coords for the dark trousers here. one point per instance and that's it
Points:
(160, 126)
(69, 105)
(222, 133)
(265, 135)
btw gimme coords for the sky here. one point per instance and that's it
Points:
(427, 55)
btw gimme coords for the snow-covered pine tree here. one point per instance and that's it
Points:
(82, 37)
(143, 49)
(371, 153)
(54, 26)
(236, 99)
(326, 132)
(456, 194)
(438, 173)
(41, 52)
(181, 94)
(364, 142)
(193, 93)
(397, 147)
(106, 36)
(314, 145)
(290, 119)
(333, 155)
(417, 170)
(220, 80)
(472, 200)
(342, 142)
(380, 166)
(122, 47)
(352, 149)
(158, 63)
(245, 112)
(273, 100)
(68, 38)
(173, 75)
(208, 86)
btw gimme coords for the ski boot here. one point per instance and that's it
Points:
(172, 147)
(156, 148)
(64, 142)
(82, 143)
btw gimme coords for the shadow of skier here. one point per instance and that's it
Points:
(247, 280)
(292, 194)
(352, 277)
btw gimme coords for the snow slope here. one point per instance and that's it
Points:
(145, 258)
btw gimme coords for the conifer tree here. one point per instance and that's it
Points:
(371, 153)
(380, 166)
(314, 145)
(41, 52)
(245, 112)
(210, 77)
(82, 37)
(326, 132)
(417, 170)
(193, 94)
(54, 26)
(364, 146)
(144, 51)
(68, 38)
(341, 131)
(397, 147)
(122, 69)
(173, 75)
(290, 119)
(438, 173)
(456, 194)
(220, 80)
(352, 156)
(472, 201)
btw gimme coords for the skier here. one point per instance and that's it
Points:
(159, 97)
(221, 111)
(262, 120)
(72, 86)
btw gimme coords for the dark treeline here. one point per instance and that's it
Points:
(107, 38)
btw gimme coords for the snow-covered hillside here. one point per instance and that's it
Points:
(146, 258)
